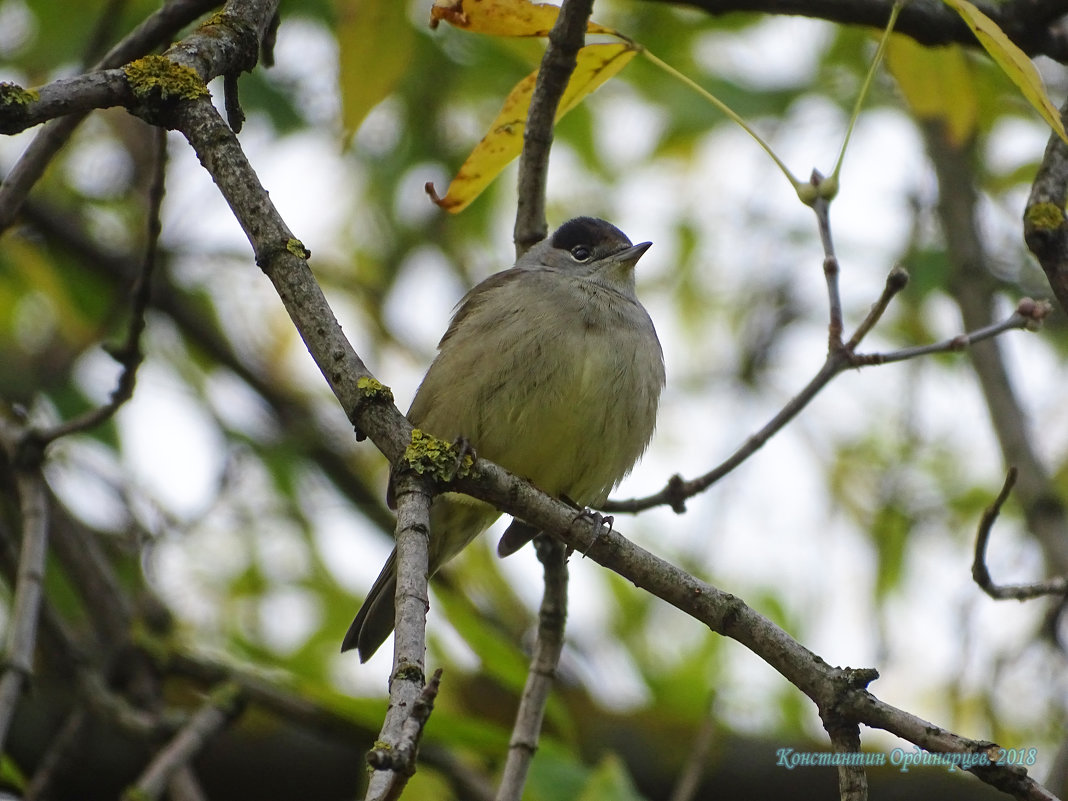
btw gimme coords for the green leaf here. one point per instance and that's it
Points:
(1012, 61)
(938, 85)
(375, 41)
(610, 782)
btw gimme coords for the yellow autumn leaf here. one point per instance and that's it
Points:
(502, 17)
(595, 64)
(1012, 60)
(375, 48)
(937, 84)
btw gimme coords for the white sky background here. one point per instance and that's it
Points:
(768, 525)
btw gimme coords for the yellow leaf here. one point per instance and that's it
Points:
(502, 17)
(1012, 61)
(937, 84)
(376, 42)
(595, 65)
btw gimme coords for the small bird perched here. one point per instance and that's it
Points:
(552, 369)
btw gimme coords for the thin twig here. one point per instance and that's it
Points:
(1028, 316)
(689, 780)
(565, 40)
(129, 354)
(62, 749)
(22, 628)
(220, 708)
(980, 571)
(547, 649)
(822, 207)
(952, 345)
(896, 281)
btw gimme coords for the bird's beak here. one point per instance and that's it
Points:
(632, 254)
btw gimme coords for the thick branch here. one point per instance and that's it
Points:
(1032, 26)
(393, 758)
(1045, 228)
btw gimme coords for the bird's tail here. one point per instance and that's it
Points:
(374, 622)
(455, 520)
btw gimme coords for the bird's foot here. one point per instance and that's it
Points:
(602, 525)
(464, 451)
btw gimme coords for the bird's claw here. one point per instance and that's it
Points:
(463, 449)
(602, 525)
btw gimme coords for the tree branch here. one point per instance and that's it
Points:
(283, 259)
(393, 758)
(542, 674)
(1033, 26)
(22, 628)
(217, 711)
(565, 39)
(841, 690)
(1045, 228)
(974, 288)
(1028, 316)
(980, 572)
(128, 354)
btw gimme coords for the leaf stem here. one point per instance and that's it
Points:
(725, 109)
(875, 62)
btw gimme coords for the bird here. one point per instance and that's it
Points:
(553, 370)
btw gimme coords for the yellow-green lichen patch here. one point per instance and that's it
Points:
(428, 455)
(410, 673)
(156, 75)
(1045, 216)
(296, 247)
(374, 390)
(11, 94)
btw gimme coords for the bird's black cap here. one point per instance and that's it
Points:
(587, 231)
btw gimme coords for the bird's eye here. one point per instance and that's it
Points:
(580, 253)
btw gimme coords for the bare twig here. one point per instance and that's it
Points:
(283, 258)
(547, 649)
(64, 746)
(980, 572)
(129, 354)
(1035, 27)
(1028, 316)
(852, 780)
(22, 628)
(821, 205)
(1018, 320)
(400, 758)
(408, 680)
(896, 281)
(975, 288)
(219, 709)
(565, 40)
(689, 781)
